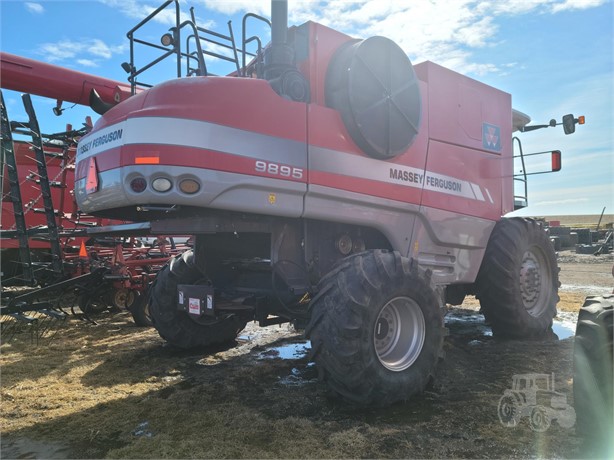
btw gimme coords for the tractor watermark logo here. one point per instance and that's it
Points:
(533, 396)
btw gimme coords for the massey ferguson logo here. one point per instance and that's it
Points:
(113, 136)
(491, 137)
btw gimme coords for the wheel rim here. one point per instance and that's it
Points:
(535, 281)
(508, 410)
(540, 421)
(399, 334)
(123, 298)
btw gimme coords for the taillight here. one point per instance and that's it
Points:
(189, 186)
(556, 160)
(91, 181)
(161, 184)
(138, 184)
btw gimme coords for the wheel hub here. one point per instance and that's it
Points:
(533, 282)
(382, 328)
(399, 333)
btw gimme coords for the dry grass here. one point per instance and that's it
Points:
(113, 390)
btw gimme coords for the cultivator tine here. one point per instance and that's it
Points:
(19, 323)
(38, 324)
(51, 321)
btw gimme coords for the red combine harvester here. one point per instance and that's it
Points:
(44, 235)
(327, 182)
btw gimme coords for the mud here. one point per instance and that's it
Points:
(121, 392)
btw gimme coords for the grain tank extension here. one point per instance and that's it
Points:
(331, 183)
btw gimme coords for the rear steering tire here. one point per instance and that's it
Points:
(518, 281)
(592, 381)
(175, 326)
(376, 329)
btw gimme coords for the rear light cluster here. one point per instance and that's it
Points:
(163, 184)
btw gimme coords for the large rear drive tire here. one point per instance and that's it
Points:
(175, 326)
(518, 281)
(592, 382)
(376, 329)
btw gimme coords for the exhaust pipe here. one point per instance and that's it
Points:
(278, 56)
(279, 22)
(279, 68)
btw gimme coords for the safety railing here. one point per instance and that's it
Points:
(200, 42)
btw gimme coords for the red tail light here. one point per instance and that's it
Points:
(556, 160)
(91, 182)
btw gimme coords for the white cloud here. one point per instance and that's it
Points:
(559, 202)
(567, 5)
(34, 7)
(87, 63)
(69, 49)
(137, 9)
(261, 7)
(443, 31)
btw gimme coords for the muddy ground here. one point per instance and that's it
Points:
(117, 391)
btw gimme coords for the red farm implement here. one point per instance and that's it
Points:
(51, 263)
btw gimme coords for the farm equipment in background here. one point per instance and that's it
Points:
(45, 242)
(327, 182)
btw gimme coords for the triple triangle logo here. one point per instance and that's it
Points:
(491, 137)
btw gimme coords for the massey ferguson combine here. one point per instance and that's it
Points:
(330, 183)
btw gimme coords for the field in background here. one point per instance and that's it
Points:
(586, 221)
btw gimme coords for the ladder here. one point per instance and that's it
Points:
(8, 159)
(32, 129)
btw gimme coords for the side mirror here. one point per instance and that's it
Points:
(569, 123)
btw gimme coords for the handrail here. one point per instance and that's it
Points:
(245, 40)
(133, 72)
(523, 178)
(195, 50)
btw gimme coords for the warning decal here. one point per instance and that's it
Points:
(194, 306)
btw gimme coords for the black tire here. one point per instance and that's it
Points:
(358, 361)
(592, 382)
(518, 281)
(140, 310)
(539, 420)
(177, 327)
(509, 410)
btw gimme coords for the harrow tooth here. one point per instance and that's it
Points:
(60, 315)
(25, 318)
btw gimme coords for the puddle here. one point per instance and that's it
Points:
(287, 351)
(461, 322)
(299, 377)
(29, 448)
(473, 326)
(564, 325)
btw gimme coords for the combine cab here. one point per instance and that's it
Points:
(330, 183)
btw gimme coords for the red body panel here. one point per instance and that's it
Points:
(460, 161)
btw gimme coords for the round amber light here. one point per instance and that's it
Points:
(189, 186)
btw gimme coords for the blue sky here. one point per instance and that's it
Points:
(553, 56)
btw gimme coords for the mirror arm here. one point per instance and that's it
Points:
(533, 128)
